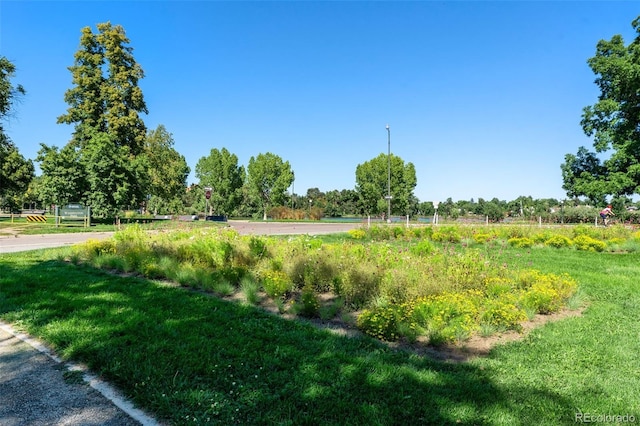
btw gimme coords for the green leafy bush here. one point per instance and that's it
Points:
(276, 284)
(503, 313)
(446, 234)
(358, 284)
(380, 233)
(258, 247)
(541, 237)
(357, 234)
(520, 242)
(309, 304)
(482, 237)
(422, 248)
(541, 297)
(447, 317)
(558, 241)
(382, 322)
(587, 243)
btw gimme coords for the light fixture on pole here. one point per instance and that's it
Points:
(388, 197)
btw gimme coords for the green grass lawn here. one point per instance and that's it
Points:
(188, 357)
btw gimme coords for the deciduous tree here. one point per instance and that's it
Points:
(64, 178)
(614, 122)
(16, 172)
(372, 181)
(268, 178)
(221, 172)
(168, 171)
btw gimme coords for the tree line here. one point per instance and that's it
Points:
(113, 163)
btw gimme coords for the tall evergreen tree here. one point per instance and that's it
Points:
(106, 96)
(105, 104)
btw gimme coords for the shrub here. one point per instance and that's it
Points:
(481, 237)
(357, 234)
(446, 234)
(585, 230)
(398, 231)
(358, 284)
(276, 284)
(382, 322)
(503, 313)
(422, 248)
(541, 297)
(558, 241)
(92, 248)
(448, 317)
(563, 284)
(309, 304)
(541, 237)
(258, 247)
(587, 243)
(520, 242)
(380, 233)
(416, 231)
(399, 285)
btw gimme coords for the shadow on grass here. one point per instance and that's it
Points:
(189, 357)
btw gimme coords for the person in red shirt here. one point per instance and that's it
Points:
(605, 213)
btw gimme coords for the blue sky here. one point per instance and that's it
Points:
(484, 98)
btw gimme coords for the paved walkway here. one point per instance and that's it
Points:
(37, 389)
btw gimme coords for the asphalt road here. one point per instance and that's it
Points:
(10, 243)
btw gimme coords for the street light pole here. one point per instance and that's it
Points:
(388, 174)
